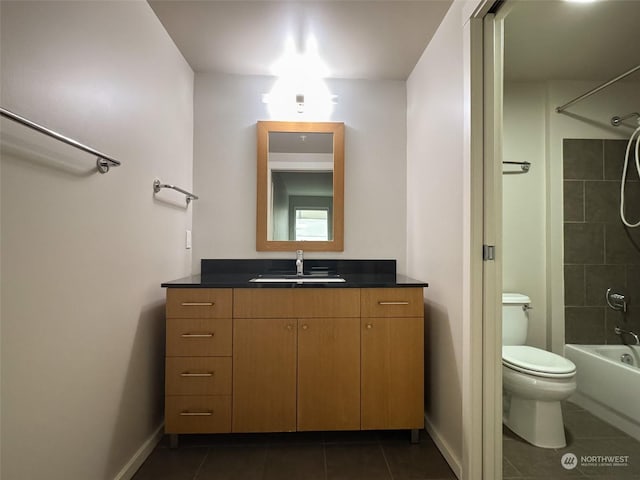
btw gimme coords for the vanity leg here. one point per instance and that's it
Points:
(415, 435)
(173, 440)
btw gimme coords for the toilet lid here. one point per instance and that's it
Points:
(535, 361)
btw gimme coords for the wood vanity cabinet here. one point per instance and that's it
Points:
(392, 328)
(294, 359)
(308, 377)
(198, 360)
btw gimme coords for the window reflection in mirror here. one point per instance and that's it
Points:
(300, 186)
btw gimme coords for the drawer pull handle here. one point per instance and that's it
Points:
(369, 325)
(187, 374)
(196, 414)
(393, 303)
(197, 304)
(197, 335)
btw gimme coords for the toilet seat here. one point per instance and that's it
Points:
(537, 362)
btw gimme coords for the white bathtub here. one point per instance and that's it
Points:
(607, 387)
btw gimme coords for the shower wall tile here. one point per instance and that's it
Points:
(584, 325)
(622, 245)
(583, 243)
(631, 201)
(598, 278)
(602, 202)
(574, 290)
(614, 151)
(573, 201)
(599, 252)
(583, 159)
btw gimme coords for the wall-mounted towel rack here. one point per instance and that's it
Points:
(103, 162)
(524, 167)
(157, 186)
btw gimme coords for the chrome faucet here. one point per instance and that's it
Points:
(299, 263)
(619, 331)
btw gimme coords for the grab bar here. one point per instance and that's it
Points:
(103, 162)
(524, 166)
(157, 186)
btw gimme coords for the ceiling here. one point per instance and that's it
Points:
(357, 39)
(560, 40)
(383, 39)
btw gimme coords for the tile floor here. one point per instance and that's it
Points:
(298, 456)
(587, 435)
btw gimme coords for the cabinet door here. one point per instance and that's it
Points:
(392, 373)
(329, 374)
(264, 375)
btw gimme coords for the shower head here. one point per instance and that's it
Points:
(617, 121)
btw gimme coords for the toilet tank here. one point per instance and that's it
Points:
(514, 318)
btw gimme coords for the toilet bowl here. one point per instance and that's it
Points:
(534, 381)
(533, 396)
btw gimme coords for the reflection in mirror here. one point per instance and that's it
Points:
(300, 179)
(300, 166)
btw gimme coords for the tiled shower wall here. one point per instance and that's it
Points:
(599, 252)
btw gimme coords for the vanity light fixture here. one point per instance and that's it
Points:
(300, 88)
(300, 103)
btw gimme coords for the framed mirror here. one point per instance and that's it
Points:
(300, 202)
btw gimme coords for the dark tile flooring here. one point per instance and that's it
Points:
(587, 436)
(298, 456)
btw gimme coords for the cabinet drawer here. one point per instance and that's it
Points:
(198, 337)
(392, 302)
(197, 414)
(296, 303)
(199, 302)
(198, 376)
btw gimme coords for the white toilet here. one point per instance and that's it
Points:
(534, 381)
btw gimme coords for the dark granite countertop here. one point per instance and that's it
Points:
(238, 273)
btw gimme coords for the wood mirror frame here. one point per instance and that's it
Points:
(336, 244)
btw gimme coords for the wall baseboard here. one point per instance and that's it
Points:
(138, 458)
(445, 449)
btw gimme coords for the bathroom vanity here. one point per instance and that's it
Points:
(246, 356)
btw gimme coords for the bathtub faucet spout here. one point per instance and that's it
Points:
(622, 333)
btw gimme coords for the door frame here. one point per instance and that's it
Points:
(482, 397)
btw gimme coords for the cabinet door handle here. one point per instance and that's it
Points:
(197, 304)
(187, 374)
(393, 303)
(304, 327)
(289, 327)
(369, 325)
(197, 335)
(196, 414)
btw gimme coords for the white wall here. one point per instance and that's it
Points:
(83, 254)
(435, 172)
(227, 108)
(524, 202)
(533, 248)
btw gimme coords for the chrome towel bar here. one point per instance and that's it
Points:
(157, 186)
(524, 166)
(103, 162)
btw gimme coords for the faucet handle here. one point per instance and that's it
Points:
(617, 301)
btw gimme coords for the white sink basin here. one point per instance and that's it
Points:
(296, 279)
